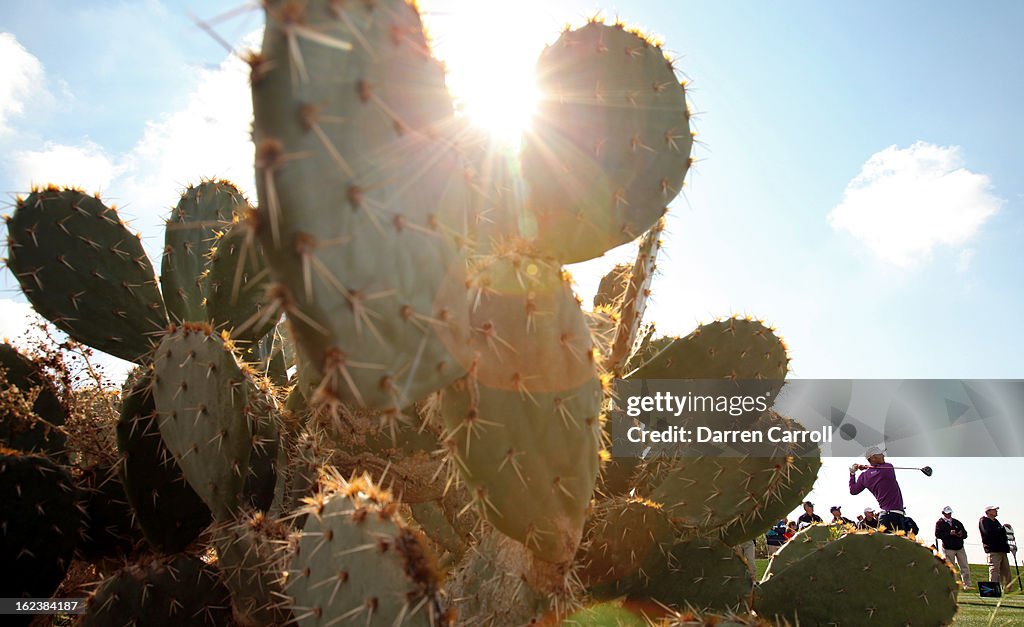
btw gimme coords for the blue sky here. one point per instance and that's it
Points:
(858, 183)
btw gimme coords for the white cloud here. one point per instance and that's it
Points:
(84, 165)
(208, 137)
(16, 320)
(907, 201)
(963, 260)
(21, 77)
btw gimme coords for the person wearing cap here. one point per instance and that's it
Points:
(837, 516)
(870, 521)
(951, 533)
(879, 478)
(997, 545)
(808, 518)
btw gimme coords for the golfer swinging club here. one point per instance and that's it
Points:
(880, 479)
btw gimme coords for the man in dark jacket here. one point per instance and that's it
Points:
(951, 533)
(838, 518)
(993, 538)
(808, 517)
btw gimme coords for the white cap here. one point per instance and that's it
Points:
(874, 450)
(988, 507)
(868, 509)
(947, 510)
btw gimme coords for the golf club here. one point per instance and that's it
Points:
(927, 470)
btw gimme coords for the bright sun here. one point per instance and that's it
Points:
(490, 56)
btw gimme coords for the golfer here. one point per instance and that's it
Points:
(951, 533)
(879, 478)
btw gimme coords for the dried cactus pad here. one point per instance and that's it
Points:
(83, 270)
(611, 141)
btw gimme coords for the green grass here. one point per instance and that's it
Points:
(975, 611)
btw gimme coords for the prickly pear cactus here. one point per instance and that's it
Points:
(190, 236)
(202, 399)
(863, 578)
(611, 141)
(523, 426)
(39, 522)
(252, 557)
(355, 230)
(167, 509)
(357, 559)
(438, 350)
(175, 590)
(82, 269)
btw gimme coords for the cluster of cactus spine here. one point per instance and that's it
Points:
(441, 453)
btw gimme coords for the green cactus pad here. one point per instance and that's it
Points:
(802, 462)
(31, 413)
(356, 183)
(252, 554)
(82, 269)
(39, 521)
(108, 530)
(625, 541)
(863, 578)
(805, 542)
(261, 480)
(701, 573)
(167, 509)
(189, 236)
(166, 591)
(523, 428)
(726, 495)
(735, 348)
(356, 559)
(611, 141)
(202, 398)
(235, 282)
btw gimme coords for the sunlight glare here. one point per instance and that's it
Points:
(490, 55)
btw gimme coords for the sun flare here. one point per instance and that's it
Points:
(490, 59)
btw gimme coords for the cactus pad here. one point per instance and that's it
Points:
(82, 269)
(39, 521)
(863, 578)
(202, 397)
(172, 591)
(356, 559)
(611, 141)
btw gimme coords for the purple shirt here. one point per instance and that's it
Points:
(880, 480)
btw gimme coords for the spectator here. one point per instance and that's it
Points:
(790, 530)
(870, 520)
(838, 518)
(776, 537)
(993, 538)
(951, 533)
(808, 518)
(879, 478)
